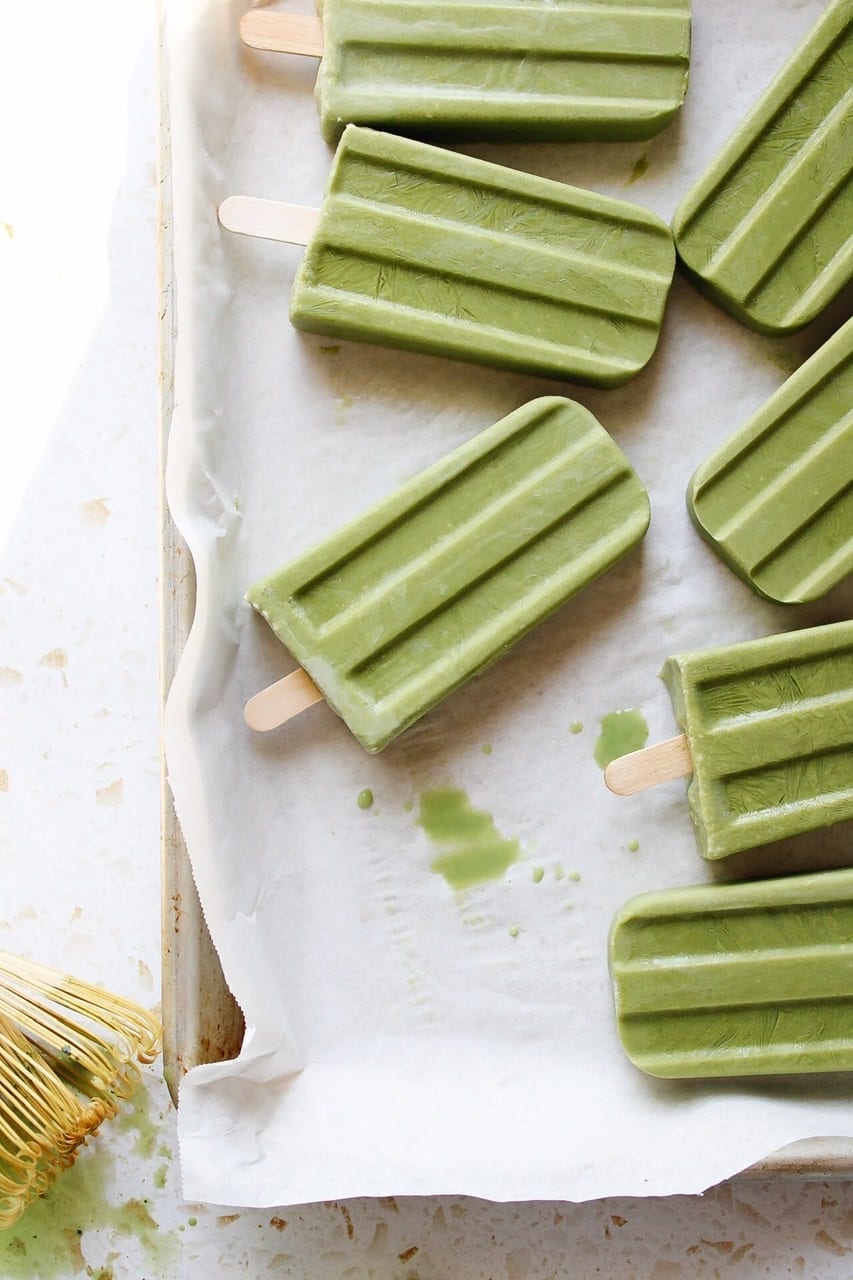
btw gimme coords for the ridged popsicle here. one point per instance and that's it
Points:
(404, 604)
(423, 248)
(776, 500)
(737, 979)
(769, 724)
(595, 69)
(766, 230)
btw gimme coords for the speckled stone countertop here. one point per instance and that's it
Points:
(79, 747)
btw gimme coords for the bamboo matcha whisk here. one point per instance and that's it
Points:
(68, 1055)
(42, 1123)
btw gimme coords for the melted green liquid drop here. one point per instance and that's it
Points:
(538, 875)
(487, 750)
(633, 845)
(621, 733)
(576, 726)
(472, 848)
(365, 799)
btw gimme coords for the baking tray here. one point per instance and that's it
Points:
(201, 1019)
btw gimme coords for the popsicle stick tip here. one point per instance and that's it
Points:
(281, 701)
(272, 32)
(268, 219)
(230, 212)
(644, 769)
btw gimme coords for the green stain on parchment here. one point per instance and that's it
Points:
(621, 733)
(472, 850)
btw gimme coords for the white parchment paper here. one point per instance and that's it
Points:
(400, 1038)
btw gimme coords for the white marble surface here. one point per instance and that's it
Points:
(79, 750)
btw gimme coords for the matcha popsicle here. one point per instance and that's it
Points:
(768, 738)
(776, 500)
(737, 979)
(601, 69)
(766, 230)
(396, 610)
(422, 248)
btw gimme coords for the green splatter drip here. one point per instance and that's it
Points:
(330, 350)
(641, 167)
(473, 849)
(538, 875)
(486, 749)
(576, 726)
(621, 733)
(48, 1239)
(575, 875)
(558, 871)
(513, 931)
(633, 845)
(136, 1116)
(364, 799)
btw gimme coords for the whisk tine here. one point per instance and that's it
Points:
(42, 1124)
(91, 1037)
(122, 1016)
(68, 1055)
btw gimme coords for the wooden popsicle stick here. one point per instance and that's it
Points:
(269, 219)
(281, 701)
(282, 32)
(647, 768)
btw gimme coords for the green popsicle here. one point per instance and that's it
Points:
(422, 248)
(737, 979)
(766, 230)
(769, 724)
(596, 69)
(776, 500)
(428, 588)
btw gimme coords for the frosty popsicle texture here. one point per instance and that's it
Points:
(770, 727)
(767, 228)
(399, 608)
(737, 979)
(422, 248)
(598, 69)
(776, 500)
